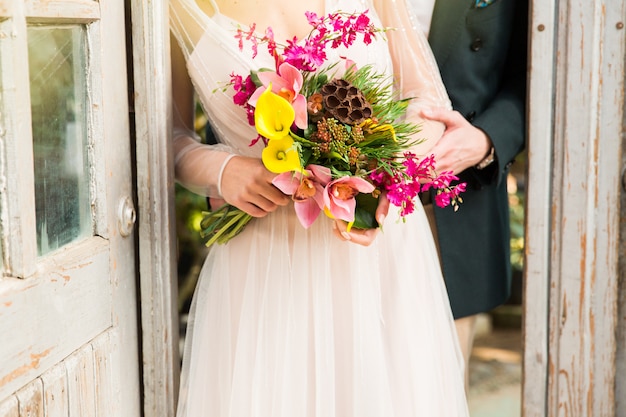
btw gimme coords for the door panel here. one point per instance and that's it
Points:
(44, 312)
(68, 302)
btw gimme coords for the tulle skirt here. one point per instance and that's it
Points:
(290, 322)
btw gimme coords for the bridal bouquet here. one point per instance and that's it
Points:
(335, 134)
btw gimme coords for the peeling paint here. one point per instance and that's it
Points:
(35, 358)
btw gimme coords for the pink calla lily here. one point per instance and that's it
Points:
(287, 84)
(307, 191)
(339, 196)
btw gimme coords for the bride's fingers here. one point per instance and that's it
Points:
(247, 185)
(382, 209)
(253, 210)
(340, 234)
(256, 205)
(262, 201)
(363, 237)
(215, 203)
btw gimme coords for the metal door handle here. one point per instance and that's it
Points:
(126, 216)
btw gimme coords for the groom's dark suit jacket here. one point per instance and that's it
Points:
(481, 53)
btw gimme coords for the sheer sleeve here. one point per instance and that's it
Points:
(415, 69)
(198, 166)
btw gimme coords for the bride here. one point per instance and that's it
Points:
(295, 322)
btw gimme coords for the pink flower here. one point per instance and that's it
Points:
(306, 191)
(339, 196)
(287, 83)
(248, 35)
(313, 19)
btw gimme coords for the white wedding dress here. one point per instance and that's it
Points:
(293, 322)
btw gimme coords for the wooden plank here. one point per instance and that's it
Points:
(118, 181)
(81, 387)
(103, 375)
(542, 31)
(55, 391)
(10, 407)
(605, 298)
(30, 400)
(103, 209)
(620, 371)
(66, 305)
(17, 198)
(155, 182)
(583, 272)
(64, 11)
(620, 355)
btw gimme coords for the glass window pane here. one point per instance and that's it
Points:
(58, 79)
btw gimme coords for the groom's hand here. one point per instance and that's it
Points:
(462, 145)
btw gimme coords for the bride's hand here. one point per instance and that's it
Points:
(215, 203)
(247, 185)
(363, 237)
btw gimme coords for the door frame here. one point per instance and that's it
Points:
(156, 223)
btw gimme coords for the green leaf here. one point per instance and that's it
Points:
(365, 213)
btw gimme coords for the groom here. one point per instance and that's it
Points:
(480, 48)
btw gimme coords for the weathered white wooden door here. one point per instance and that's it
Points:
(68, 298)
(575, 321)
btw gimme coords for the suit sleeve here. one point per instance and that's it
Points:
(504, 120)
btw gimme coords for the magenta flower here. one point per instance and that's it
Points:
(305, 57)
(306, 191)
(449, 195)
(244, 88)
(287, 83)
(333, 30)
(339, 196)
(313, 18)
(403, 186)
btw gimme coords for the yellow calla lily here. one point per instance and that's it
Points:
(273, 115)
(280, 155)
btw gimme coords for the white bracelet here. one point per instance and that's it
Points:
(219, 177)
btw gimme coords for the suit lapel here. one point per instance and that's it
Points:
(447, 23)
